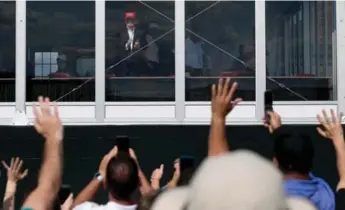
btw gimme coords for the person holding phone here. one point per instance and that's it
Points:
(184, 171)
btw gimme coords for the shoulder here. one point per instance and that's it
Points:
(86, 206)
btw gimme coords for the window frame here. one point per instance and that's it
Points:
(178, 112)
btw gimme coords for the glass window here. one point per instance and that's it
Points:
(61, 50)
(140, 43)
(220, 41)
(300, 41)
(7, 50)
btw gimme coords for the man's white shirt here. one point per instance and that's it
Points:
(109, 206)
(129, 44)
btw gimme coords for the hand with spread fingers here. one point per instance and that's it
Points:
(222, 98)
(275, 121)
(14, 170)
(47, 123)
(331, 127)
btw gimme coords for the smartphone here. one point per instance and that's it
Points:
(186, 161)
(65, 191)
(122, 143)
(268, 104)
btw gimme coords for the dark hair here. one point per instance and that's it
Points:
(147, 200)
(122, 177)
(294, 153)
(186, 176)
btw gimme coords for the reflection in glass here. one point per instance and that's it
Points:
(7, 50)
(300, 37)
(140, 56)
(60, 48)
(220, 41)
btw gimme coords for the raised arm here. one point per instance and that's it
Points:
(90, 191)
(145, 186)
(48, 124)
(333, 130)
(222, 104)
(14, 174)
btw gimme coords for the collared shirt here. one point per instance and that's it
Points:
(109, 206)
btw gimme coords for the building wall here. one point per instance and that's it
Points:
(154, 145)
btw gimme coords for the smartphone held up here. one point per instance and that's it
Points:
(268, 106)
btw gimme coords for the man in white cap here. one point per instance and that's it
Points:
(240, 180)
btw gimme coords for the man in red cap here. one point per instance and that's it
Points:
(133, 42)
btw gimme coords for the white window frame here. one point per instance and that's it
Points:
(178, 112)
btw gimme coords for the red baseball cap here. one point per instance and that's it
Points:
(131, 15)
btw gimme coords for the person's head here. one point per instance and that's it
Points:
(147, 200)
(293, 153)
(130, 19)
(233, 181)
(153, 29)
(61, 61)
(122, 177)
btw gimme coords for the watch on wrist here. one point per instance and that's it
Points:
(98, 176)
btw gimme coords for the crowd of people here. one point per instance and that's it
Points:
(225, 180)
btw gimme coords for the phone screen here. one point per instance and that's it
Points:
(122, 143)
(65, 191)
(186, 162)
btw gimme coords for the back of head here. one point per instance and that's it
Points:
(122, 177)
(294, 153)
(238, 180)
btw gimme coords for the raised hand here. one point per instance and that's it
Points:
(158, 173)
(14, 171)
(156, 177)
(222, 98)
(331, 127)
(106, 158)
(275, 121)
(47, 123)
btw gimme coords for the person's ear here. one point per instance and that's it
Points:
(105, 186)
(275, 162)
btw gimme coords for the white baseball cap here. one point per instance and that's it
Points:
(240, 180)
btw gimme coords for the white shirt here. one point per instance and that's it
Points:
(151, 52)
(129, 44)
(194, 54)
(109, 206)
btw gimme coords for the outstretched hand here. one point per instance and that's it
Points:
(331, 127)
(47, 123)
(14, 171)
(222, 98)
